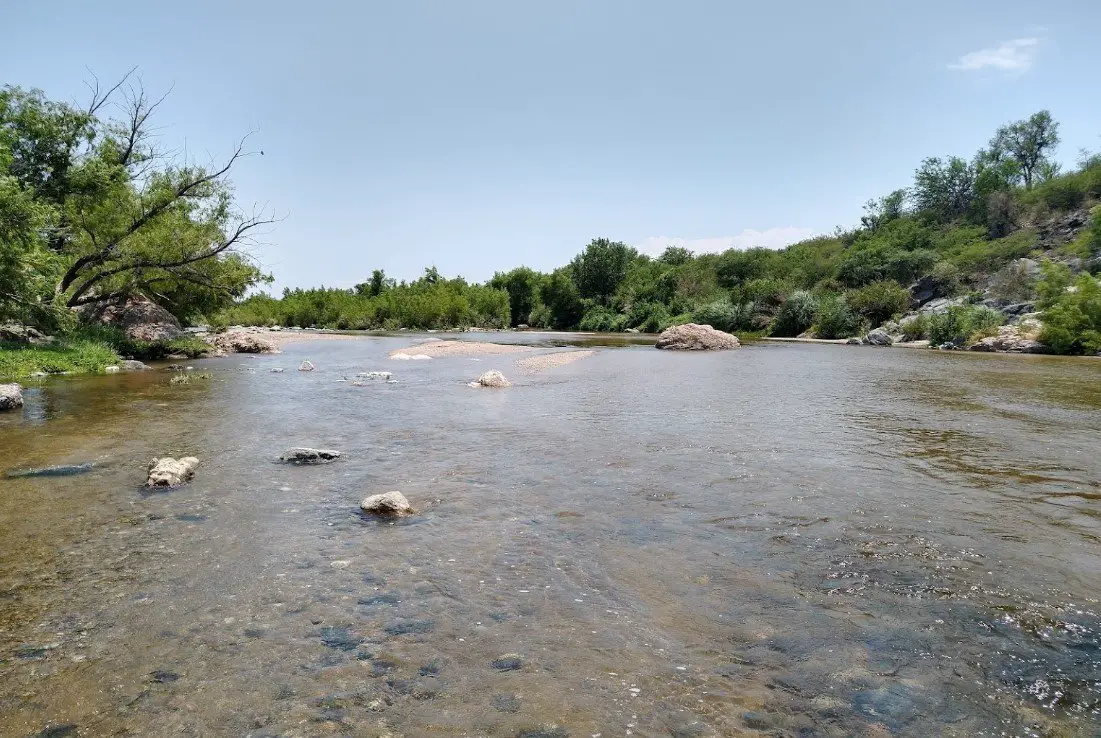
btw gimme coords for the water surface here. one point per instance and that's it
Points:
(779, 540)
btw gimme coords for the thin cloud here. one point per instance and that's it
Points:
(1017, 55)
(773, 238)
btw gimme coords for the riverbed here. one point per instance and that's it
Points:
(777, 540)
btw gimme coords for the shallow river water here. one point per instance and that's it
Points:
(784, 540)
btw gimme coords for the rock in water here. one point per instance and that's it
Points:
(62, 470)
(131, 365)
(309, 456)
(695, 337)
(243, 342)
(306, 366)
(878, 337)
(389, 504)
(11, 396)
(491, 378)
(141, 318)
(169, 472)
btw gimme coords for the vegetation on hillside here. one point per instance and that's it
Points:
(957, 231)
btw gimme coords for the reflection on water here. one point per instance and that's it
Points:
(782, 540)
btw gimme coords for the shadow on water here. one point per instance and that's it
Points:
(781, 540)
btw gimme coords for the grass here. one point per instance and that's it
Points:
(18, 361)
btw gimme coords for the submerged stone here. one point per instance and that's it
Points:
(383, 598)
(508, 662)
(339, 638)
(505, 703)
(411, 626)
(309, 455)
(547, 731)
(63, 730)
(162, 676)
(61, 470)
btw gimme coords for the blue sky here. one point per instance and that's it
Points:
(485, 134)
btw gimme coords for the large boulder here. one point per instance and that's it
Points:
(491, 378)
(695, 337)
(388, 504)
(18, 333)
(243, 342)
(11, 397)
(169, 472)
(878, 337)
(139, 317)
(925, 289)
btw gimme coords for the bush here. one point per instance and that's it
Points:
(916, 328)
(720, 314)
(796, 314)
(1072, 324)
(600, 319)
(835, 319)
(123, 345)
(879, 301)
(962, 324)
(1014, 283)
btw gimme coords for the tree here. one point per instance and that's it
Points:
(375, 286)
(117, 214)
(1028, 142)
(599, 269)
(675, 256)
(882, 211)
(522, 285)
(945, 189)
(560, 295)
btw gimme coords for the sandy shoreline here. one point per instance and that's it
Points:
(441, 349)
(540, 363)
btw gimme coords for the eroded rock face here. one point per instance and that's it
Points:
(243, 342)
(169, 472)
(491, 378)
(140, 318)
(11, 397)
(695, 337)
(388, 504)
(309, 455)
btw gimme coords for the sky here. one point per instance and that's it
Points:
(485, 134)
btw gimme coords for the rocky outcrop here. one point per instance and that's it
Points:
(11, 397)
(1011, 339)
(169, 472)
(138, 316)
(491, 378)
(925, 289)
(878, 337)
(309, 456)
(18, 333)
(695, 337)
(388, 504)
(941, 305)
(243, 342)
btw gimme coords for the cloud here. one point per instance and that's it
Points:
(773, 238)
(1017, 55)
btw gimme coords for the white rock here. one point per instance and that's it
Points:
(306, 366)
(11, 396)
(375, 375)
(387, 504)
(491, 378)
(111, 369)
(169, 472)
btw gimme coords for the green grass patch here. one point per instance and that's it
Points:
(18, 361)
(188, 346)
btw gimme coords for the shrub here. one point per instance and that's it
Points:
(946, 277)
(796, 314)
(21, 360)
(720, 314)
(1014, 283)
(916, 328)
(962, 323)
(835, 319)
(1072, 324)
(601, 320)
(879, 301)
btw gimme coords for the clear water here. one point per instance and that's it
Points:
(780, 540)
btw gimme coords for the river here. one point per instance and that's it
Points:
(779, 540)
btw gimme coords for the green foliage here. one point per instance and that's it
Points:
(18, 360)
(945, 189)
(522, 285)
(796, 314)
(601, 319)
(916, 328)
(1072, 321)
(879, 301)
(836, 319)
(1052, 284)
(961, 324)
(598, 270)
(1028, 143)
(121, 344)
(720, 314)
(1013, 283)
(559, 293)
